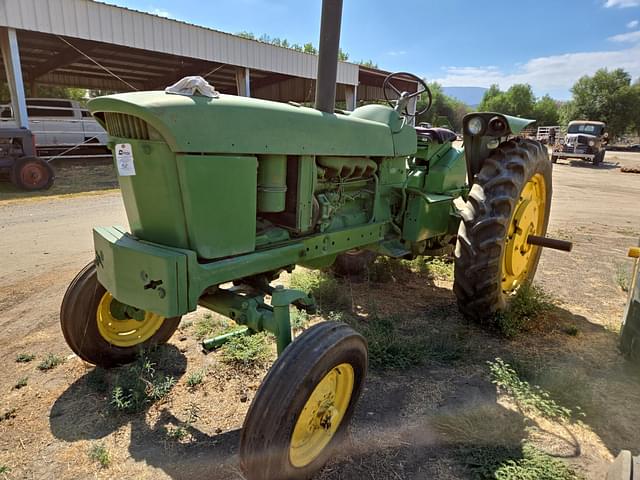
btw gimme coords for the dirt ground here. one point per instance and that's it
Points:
(48, 426)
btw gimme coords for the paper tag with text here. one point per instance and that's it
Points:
(124, 160)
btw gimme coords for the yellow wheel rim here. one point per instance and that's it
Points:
(321, 416)
(528, 218)
(125, 333)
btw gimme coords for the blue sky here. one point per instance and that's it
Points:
(547, 43)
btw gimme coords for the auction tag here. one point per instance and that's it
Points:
(124, 160)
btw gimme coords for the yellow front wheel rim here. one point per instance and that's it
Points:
(125, 333)
(321, 416)
(528, 218)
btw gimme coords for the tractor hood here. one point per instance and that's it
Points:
(241, 125)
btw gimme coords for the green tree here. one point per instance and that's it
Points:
(494, 100)
(443, 106)
(518, 100)
(607, 96)
(309, 48)
(48, 91)
(521, 100)
(368, 63)
(546, 111)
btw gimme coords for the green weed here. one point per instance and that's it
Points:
(385, 269)
(623, 276)
(4, 469)
(99, 453)
(438, 268)
(21, 383)
(387, 349)
(49, 362)
(24, 357)
(528, 397)
(210, 326)
(529, 302)
(299, 319)
(195, 378)
(138, 385)
(534, 465)
(177, 433)
(328, 292)
(571, 330)
(247, 350)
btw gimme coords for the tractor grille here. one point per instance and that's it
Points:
(126, 126)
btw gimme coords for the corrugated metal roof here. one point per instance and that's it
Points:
(101, 22)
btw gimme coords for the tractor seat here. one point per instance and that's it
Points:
(436, 134)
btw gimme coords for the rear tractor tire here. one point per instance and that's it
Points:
(510, 199)
(302, 409)
(353, 263)
(95, 335)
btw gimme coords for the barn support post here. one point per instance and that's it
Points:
(11, 59)
(350, 96)
(243, 82)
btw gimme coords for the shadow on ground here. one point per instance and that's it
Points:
(436, 416)
(85, 412)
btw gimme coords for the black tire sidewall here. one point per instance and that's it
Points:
(80, 327)
(272, 416)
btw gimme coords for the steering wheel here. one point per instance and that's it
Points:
(401, 102)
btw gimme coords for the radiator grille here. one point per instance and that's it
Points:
(126, 126)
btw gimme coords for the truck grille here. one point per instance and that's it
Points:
(126, 126)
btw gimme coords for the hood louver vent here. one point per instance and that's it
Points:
(126, 126)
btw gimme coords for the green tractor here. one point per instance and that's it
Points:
(220, 189)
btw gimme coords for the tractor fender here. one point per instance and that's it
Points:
(478, 147)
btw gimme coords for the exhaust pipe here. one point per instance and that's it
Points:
(328, 55)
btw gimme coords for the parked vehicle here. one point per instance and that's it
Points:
(58, 126)
(585, 139)
(18, 157)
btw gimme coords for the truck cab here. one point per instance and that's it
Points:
(585, 139)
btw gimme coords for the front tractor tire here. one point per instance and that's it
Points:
(509, 200)
(98, 337)
(302, 409)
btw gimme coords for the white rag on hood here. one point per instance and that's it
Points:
(194, 85)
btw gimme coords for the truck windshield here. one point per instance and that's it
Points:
(585, 128)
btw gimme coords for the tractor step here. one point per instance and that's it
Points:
(392, 248)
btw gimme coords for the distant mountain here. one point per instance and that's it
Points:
(472, 96)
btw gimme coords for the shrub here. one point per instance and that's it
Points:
(138, 385)
(24, 357)
(525, 306)
(50, 361)
(99, 453)
(528, 397)
(327, 291)
(247, 350)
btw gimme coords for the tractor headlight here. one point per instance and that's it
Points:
(591, 143)
(475, 125)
